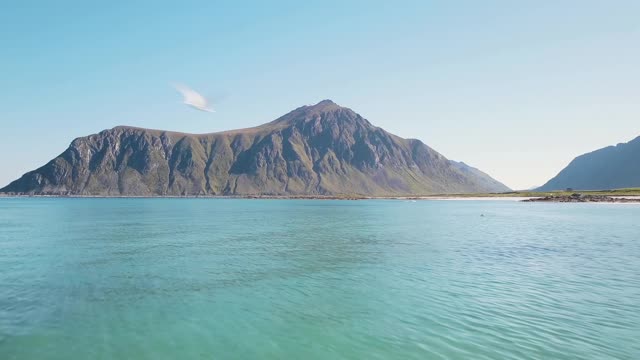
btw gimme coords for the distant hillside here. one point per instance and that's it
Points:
(613, 167)
(482, 178)
(323, 149)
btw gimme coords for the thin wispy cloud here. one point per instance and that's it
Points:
(193, 98)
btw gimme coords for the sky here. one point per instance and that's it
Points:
(514, 88)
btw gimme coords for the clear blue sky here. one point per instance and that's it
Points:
(515, 88)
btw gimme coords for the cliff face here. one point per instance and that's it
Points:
(323, 149)
(613, 167)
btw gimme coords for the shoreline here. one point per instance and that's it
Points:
(586, 198)
(270, 197)
(619, 199)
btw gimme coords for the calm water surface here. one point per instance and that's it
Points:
(300, 279)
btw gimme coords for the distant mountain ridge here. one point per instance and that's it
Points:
(612, 167)
(324, 149)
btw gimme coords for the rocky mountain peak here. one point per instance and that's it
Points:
(318, 149)
(324, 105)
(323, 112)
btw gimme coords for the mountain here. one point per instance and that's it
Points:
(324, 149)
(613, 167)
(481, 178)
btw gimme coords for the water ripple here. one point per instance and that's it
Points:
(240, 279)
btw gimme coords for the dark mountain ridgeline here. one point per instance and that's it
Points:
(613, 167)
(323, 149)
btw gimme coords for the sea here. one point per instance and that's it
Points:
(159, 278)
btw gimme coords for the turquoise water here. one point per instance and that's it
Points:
(304, 279)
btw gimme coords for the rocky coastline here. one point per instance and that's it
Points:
(583, 198)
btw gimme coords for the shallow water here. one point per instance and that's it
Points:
(313, 279)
